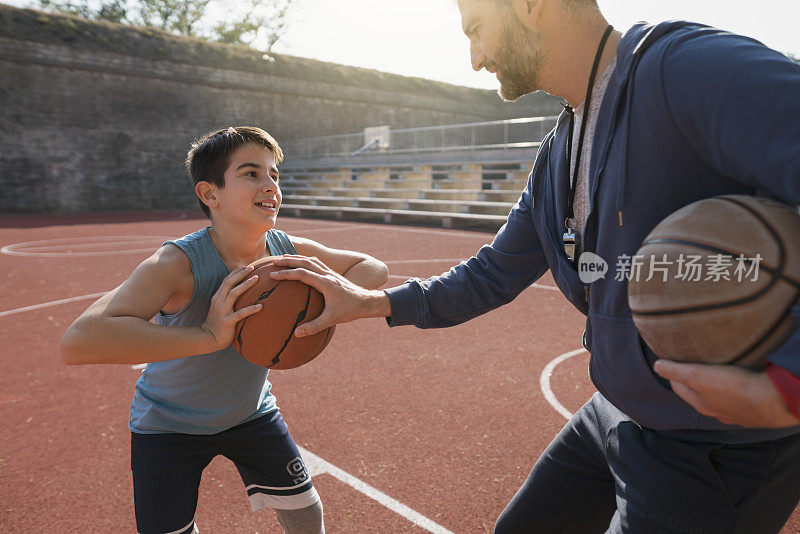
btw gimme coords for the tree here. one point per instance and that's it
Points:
(177, 16)
(267, 20)
(77, 8)
(114, 11)
(264, 18)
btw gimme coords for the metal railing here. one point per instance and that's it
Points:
(512, 133)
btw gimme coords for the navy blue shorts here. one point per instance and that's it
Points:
(167, 469)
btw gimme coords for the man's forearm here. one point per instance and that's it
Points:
(376, 304)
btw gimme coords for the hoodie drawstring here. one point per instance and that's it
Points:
(623, 182)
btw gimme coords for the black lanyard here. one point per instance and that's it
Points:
(569, 222)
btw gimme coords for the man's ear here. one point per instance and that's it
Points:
(207, 193)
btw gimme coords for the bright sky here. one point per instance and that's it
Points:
(423, 37)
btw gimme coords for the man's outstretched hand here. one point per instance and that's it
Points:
(730, 394)
(344, 300)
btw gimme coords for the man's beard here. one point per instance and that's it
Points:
(518, 61)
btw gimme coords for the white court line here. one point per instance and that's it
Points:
(60, 247)
(81, 254)
(337, 228)
(544, 286)
(544, 381)
(318, 466)
(79, 242)
(53, 303)
(430, 231)
(426, 261)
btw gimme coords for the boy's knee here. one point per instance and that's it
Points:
(307, 520)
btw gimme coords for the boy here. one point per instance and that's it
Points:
(198, 397)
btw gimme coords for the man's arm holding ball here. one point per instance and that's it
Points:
(345, 299)
(357, 267)
(731, 394)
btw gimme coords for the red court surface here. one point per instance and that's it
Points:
(407, 430)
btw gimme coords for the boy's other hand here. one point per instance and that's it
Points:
(221, 320)
(344, 300)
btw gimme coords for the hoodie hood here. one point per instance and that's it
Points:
(636, 41)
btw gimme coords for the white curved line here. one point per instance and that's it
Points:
(449, 260)
(544, 381)
(82, 254)
(71, 246)
(543, 286)
(79, 242)
(53, 303)
(372, 227)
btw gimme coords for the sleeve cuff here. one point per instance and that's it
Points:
(787, 384)
(404, 302)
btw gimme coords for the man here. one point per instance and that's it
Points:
(663, 116)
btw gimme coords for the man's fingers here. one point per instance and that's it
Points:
(312, 327)
(312, 264)
(292, 261)
(690, 396)
(311, 278)
(680, 372)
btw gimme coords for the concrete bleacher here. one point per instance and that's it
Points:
(450, 191)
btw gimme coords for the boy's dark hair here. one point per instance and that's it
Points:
(210, 155)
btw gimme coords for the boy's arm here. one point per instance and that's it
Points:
(116, 328)
(361, 269)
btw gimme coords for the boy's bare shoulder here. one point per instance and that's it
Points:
(172, 266)
(158, 283)
(168, 262)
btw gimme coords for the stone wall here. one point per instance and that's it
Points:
(98, 117)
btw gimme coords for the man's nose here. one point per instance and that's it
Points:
(477, 56)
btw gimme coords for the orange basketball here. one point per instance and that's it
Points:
(266, 337)
(717, 280)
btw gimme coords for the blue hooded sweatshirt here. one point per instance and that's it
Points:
(691, 112)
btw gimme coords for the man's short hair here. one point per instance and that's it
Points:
(210, 155)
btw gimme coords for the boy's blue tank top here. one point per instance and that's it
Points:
(207, 393)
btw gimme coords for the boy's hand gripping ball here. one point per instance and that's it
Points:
(266, 337)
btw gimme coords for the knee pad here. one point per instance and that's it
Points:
(308, 520)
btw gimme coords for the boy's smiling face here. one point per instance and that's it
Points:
(251, 194)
